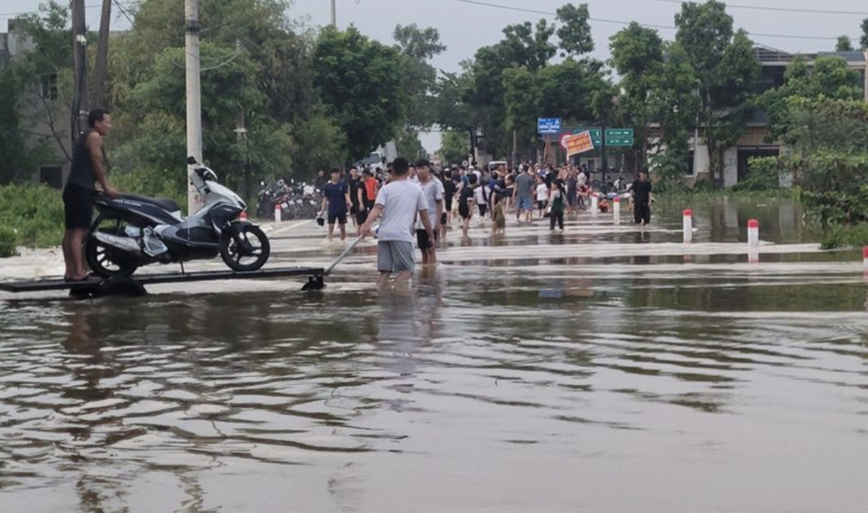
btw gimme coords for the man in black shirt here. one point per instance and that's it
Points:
(354, 183)
(642, 198)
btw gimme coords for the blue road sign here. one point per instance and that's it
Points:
(548, 126)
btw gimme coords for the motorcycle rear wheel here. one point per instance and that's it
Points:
(104, 260)
(242, 259)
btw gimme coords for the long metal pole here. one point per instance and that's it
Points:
(334, 15)
(194, 104)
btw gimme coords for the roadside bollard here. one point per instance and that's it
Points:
(243, 216)
(277, 213)
(595, 204)
(616, 207)
(688, 226)
(865, 258)
(753, 233)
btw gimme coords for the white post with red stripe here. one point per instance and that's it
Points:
(688, 226)
(595, 203)
(277, 213)
(753, 233)
(865, 258)
(616, 207)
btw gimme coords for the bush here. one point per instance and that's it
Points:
(7, 242)
(153, 183)
(34, 213)
(763, 175)
(855, 236)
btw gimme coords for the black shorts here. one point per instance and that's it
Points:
(423, 240)
(541, 204)
(77, 207)
(443, 218)
(340, 218)
(464, 212)
(482, 209)
(447, 203)
(361, 217)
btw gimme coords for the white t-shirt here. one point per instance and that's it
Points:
(581, 178)
(434, 191)
(401, 200)
(542, 192)
(482, 194)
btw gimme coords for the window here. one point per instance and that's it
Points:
(49, 87)
(51, 176)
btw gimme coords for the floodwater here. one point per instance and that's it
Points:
(517, 377)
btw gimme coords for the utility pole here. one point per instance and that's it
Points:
(99, 72)
(79, 99)
(194, 104)
(334, 15)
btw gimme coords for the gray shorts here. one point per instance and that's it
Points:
(395, 257)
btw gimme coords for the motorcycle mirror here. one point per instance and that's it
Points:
(191, 160)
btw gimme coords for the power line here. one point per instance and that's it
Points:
(238, 51)
(625, 23)
(19, 13)
(778, 9)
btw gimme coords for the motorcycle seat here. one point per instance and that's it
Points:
(164, 203)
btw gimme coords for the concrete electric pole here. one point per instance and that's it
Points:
(334, 15)
(194, 104)
(99, 71)
(79, 98)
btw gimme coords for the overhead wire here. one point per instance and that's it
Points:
(238, 51)
(625, 23)
(778, 9)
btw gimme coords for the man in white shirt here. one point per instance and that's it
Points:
(433, 190)
(399, 203)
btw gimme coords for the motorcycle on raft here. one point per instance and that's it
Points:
(132, 231)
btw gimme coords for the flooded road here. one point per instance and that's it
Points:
(515, 378)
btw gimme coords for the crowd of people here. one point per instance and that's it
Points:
(418, 199)
(490, 195)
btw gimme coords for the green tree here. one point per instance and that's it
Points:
(829, 157)
(844, 44)
(419, 78)
(726, 69)
(226, 90)
(360, 85)
(829, 78)
(325, 142)
(454, 146)
(637, 56)
(575, 31)
(863, 40)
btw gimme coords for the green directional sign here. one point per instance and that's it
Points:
(596, 135)
(615, 137)
(619, 137)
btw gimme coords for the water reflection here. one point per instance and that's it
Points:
(480, 389)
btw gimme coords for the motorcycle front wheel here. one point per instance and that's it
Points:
(250, 254)
(104, 260)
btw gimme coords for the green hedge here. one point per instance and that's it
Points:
(33, 213)
(8, 240)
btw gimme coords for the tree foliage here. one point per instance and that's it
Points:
(844, 44)
(725, 68)
(637, 56)
(359, 83)
(575, 31)
(829, 77)
(416, 48)
(454, 147)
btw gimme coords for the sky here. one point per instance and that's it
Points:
(466, 25)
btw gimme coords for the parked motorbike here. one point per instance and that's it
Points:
(132, 231)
